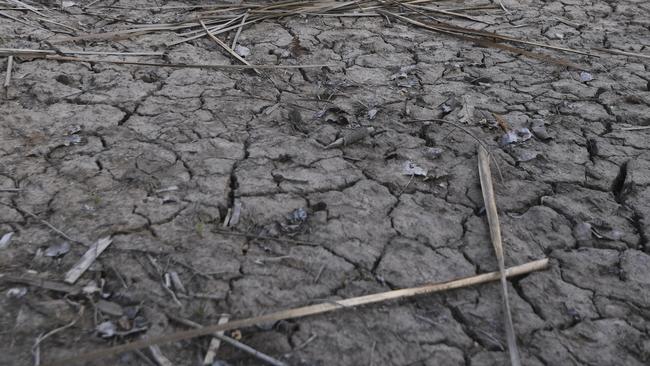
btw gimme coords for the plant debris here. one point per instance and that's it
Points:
(586, 77)
(515, 136)
(410, 168)
(351, 137)
(106, 329)
(5, 240)
(57, 250)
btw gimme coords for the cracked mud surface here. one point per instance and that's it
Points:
(226, 137)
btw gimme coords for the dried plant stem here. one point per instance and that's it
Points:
(495, 233)
(307, 311)
(10, 65)
(185, 66)
(225, 47)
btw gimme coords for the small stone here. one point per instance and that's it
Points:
(106, 329)
(242, 51)
(298, 215)
(57, 250)
(539, 130)
(71, 140)
(16, 292)
(109, 307)
(6, 238)
(526, 155)
(433, 152)
(508, 138)
(582, 231)
(613, 234)
(372, 113)
(524, 134)
(585, 77)
(410, 168)
(449, 105)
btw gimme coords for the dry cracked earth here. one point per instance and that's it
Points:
(155, 157)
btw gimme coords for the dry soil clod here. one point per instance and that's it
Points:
(352, 137)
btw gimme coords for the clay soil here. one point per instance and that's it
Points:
(155, 157)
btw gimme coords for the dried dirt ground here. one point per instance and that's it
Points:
(97, 150)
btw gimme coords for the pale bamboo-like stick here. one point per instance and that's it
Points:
(87, 259)
(10, 66)
(24, 52)
(215, 342)
(241, 26)
(183, 66)
(495, 233)
(306, 311)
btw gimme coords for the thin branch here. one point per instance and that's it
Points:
(52, 227)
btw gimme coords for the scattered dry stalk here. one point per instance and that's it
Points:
(306, 311)
(495, 233)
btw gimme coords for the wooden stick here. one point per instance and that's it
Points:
(215, 342)
(30, 52)
(87, 259)
(225, 47)
(305, 311)
(495, 233)
(10, 65)
(184, 66)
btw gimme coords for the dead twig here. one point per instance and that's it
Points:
(10, 65)
(184, 66)
(241, 26)
(495, 233)
(636, 128)
(225, 47)
(52, 227)
(263, 237)
(219, 336)
(36, 349)
(306, 311)
(12, 190)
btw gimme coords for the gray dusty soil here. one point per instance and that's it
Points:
(155, 157)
